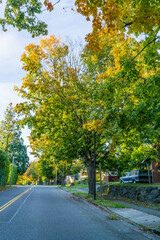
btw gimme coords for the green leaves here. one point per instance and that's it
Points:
(11, 141)
(22, 15)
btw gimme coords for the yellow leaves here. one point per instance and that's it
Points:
(131, 17)
(93, 42)
(64, 116)
(96, 125)
(49, 5)
(47, 42)
(134, 100)
(23, 56)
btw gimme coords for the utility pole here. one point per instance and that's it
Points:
(56, 176)
(94, 165)
(149, 175)
(12, 170)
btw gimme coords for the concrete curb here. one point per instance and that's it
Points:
(153, 230)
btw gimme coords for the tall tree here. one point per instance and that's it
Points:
(19, 152)
(8, 128)
(59, 106)
(11, 141)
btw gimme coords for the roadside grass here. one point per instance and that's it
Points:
(113, 217)
(5, 188)
(110, 204)
(71, 190)
(77, 186)
(104, 202)
(155, 206)
(84, 194)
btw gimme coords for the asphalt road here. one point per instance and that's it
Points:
(48, 213)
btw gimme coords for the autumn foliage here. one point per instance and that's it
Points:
(106, 106)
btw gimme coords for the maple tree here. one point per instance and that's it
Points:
(106, 99)
(31, 175)
(59, 105)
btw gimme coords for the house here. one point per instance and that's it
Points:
(111, 176)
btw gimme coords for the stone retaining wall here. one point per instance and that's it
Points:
(143, 194)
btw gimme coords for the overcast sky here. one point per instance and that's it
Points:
(61, 23)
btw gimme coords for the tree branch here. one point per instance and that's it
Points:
(128, 24)
(145, 47)
(56, 3)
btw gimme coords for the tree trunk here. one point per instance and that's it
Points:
(90, 171)
(63, 179)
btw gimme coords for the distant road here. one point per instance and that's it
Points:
(49, 213)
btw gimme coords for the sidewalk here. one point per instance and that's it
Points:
(138, 214)
(145, 219)
(149, 218)
(137, 207)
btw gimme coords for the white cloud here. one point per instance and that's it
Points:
(7, 95)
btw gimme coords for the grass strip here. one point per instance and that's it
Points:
(110, 204)
(6, 188)
(104, 202)
(113, 217)
(155, 206)
(75, 186)
(72, 190)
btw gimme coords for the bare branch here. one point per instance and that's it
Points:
(56, 3)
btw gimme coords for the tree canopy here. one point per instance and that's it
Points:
(106, 104)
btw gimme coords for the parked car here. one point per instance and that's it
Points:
(136, 176)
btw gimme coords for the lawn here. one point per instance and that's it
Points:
(75, 186)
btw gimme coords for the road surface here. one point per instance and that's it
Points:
(49, 213)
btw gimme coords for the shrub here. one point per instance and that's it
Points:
(4, 168)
